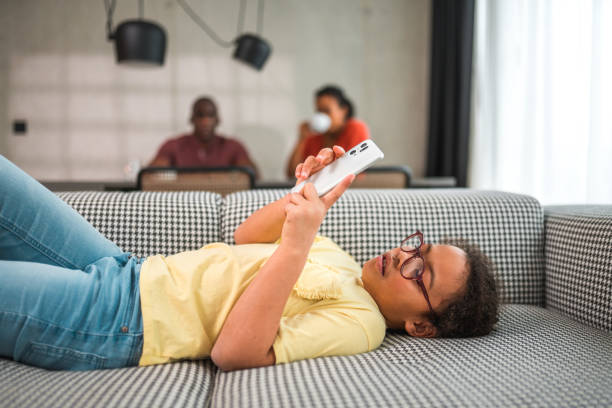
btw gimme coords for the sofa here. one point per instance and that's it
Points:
(551, 347)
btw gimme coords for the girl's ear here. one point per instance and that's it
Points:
(423, 328)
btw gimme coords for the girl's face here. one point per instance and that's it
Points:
(401, 301)
(329, 105)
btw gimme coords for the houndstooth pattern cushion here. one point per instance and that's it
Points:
(579, 263)
(536, 357)
(238, 206)
(149, 223)
(184, 384)
(365, 223)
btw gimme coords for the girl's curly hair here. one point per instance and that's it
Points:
(474, 311)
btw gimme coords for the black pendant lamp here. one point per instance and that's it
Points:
(251, 49)
(140, 42)
(137, 42)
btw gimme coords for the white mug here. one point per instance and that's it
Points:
(319, 122)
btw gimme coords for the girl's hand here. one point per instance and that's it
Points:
(313, 164)
(305, 212)
(267, 223)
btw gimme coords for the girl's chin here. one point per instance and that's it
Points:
(369, 270)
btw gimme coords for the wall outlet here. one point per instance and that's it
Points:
(20, 127)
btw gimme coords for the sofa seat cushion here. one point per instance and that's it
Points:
(365, 223)
(536, 357)
(184, 384)
(149, 223)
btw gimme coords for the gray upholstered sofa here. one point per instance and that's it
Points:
(552, 345)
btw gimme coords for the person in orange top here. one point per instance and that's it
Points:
(342, 128)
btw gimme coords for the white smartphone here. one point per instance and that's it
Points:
(356, 160)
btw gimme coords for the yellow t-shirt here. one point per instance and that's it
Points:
(187, 297)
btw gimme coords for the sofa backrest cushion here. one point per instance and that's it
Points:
(507, 227)
(149, 223)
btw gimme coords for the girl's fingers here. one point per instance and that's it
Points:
(310, 192)
(313, 164)
(289, 207)
(296, 198)
(338, 151)
(309, 165)
(326, 156)
(298, 170)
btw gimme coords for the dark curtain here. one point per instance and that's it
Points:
(450, 89)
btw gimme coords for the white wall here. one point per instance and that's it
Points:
(87, 117)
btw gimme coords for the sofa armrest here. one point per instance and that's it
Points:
(578, 256)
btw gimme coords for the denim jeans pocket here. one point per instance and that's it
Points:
(61, 358)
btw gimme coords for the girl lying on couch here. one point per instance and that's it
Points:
(71, 299)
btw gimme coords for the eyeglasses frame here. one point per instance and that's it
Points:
(416, 253)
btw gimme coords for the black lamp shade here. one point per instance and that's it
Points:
(252, 50)
(140, 42)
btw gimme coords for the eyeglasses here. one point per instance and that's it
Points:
(414, 267)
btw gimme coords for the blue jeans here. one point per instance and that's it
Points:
(69, 298)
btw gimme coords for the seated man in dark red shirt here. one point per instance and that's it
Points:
(203, 147)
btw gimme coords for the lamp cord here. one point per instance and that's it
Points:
(203, 25)
(141, 9)
(241, 12)
(260, 11)
(109, 6)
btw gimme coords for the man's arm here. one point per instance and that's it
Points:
(250, 329)
(265, 224)
(163, 157)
